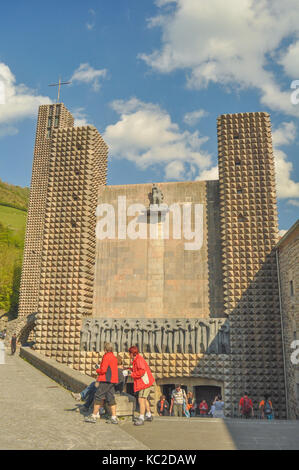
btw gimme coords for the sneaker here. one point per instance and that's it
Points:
(77, 396)
(112, 421)
(90, 419)
(139, 422)
(148, 418)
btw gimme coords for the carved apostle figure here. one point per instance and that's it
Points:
(138, 334)
(157, 334)
(85, 335)
(182, 327)
(97, 329)
(114, 333)
(213, 340)
(176, 335)
(126, 335)
(106, 332)
(148, 340)
(102, 335)
(223, 333)
(190, 346)
(168, 337)
(202, 335)
(144, 338)
(134, 329)
(93, 337)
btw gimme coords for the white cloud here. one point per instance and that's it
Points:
(290, 60)
(175, 170)
(193, 117)
(20, 101)
(285, 134)
(91, 24)
(230, 43)
(8, 131)
(87, 74)
(145, 135)
(211, 174)
(80, 117)
(294, 202)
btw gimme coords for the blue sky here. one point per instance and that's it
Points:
(152, 76)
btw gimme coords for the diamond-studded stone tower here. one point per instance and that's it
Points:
(70, 165)
(249, 233)
(49, 118)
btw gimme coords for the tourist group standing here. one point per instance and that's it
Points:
(265, 407)
(111, 378)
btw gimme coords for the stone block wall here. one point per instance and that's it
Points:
(288, 255)
(159, 278)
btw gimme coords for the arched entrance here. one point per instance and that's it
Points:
(201, 387)
(206, 392)
(168, 388)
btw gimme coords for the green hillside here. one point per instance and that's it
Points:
(13, 212)
(13, 196)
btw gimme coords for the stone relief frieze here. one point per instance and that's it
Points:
(194, 336)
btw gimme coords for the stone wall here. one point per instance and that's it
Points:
(288, 253)
(159, 278)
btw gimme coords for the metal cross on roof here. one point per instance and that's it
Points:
(59, 85)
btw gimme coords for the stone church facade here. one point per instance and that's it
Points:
(208, 318)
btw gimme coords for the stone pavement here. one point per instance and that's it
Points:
(216, 434)
(37, 413)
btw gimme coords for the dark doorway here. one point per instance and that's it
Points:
(206, 392)
(167, 389)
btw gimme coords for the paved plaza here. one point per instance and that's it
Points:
(37, 413)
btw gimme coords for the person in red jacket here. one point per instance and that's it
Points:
(143, 381)
(107, 379)
(246, 406)
(203, 408)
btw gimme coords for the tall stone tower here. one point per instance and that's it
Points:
(50, 117)
(70, 165)
(249, 233)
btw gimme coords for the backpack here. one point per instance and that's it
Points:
(267, 408)
(246, 405)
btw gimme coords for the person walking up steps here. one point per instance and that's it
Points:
(143, 384)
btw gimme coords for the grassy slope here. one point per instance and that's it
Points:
(12, 232)
(14, 196)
